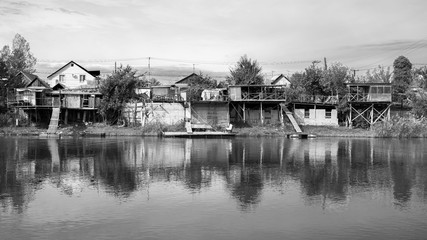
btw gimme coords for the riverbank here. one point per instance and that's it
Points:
(100, 129)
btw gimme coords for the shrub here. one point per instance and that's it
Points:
(402, 127)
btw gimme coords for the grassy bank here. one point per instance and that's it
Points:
(397, 128)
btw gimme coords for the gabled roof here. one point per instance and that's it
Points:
(93, 73)
(59, 86)
(276, 79)
(184, 80)
(28, 76)
(37, 82)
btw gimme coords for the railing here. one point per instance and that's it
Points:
(27, 102)
(264, 96)
(285, 97)
(316, 99)
(167, 98)
(358, 97)
(46, 102)
(369, 97)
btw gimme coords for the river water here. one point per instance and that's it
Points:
(243, 188)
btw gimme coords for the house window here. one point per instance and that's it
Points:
(85, 101)
(328, 113)
(306, 113)
(387, 89)
(82, 78)
(61, 78)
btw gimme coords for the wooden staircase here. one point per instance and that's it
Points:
(292, 119)
(54, 119)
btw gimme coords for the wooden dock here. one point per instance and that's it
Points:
(199, 134)
(301, 135)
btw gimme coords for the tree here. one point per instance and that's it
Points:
(420, 77)
(117, 89)
(402, 77)
(312, 81)
(197, 84)
(148, 83)
(335, 78)
(246, 72)
(18, 58)
(379, 75)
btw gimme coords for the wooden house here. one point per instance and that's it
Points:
(72, 75)
(35, 94)
(188, 79)
(24, 78)
(369, 103)
(257, 92)
(77, 105)
(167, 93)
(369, 92)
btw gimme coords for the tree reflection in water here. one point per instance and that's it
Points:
(324, 169)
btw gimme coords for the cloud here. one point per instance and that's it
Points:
(10, 11)
(396, 45)
(66, 11)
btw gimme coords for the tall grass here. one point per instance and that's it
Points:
(402, 127)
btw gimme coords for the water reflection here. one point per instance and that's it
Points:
(326, 171)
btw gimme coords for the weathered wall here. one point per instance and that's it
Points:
(317, 117)
(72, 101)
(211, 113)
(271, 116)
(167, 113)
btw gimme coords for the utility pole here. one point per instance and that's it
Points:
(326, 65)
(193, 67)
(115, 67)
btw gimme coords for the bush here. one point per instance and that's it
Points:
(5, 119)
(402, 127)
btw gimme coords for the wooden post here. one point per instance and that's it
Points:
(350, 123)
(244, 113)
(372, 116)
(388, 113)
(84, 116)
(66, 116)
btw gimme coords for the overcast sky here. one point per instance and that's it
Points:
(283, 35)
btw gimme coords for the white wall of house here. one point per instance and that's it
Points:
(316, 117)
(72, 76)
(283, 81)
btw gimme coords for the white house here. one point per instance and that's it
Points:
(314, 114)
(280, 80)
(72, 75)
